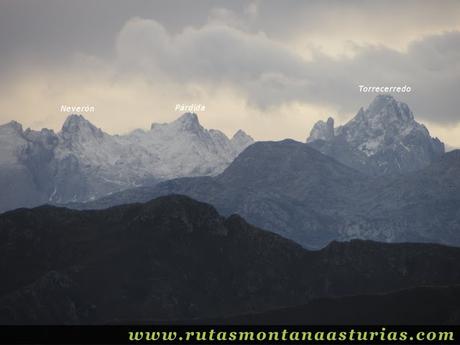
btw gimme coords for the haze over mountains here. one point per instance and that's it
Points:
(296, 191)
(81, 162)
(174, 259)
(290, 188)
(402, 187)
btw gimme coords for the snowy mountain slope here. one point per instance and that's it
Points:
(82, 162)
(384, 138)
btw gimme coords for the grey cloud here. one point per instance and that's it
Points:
(50, 31)
(271, 74)
(244, 45)
(213, 51)
(389, 17)
(431, 66)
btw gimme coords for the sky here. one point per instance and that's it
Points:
(271, 68)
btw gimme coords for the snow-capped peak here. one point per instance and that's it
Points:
(74, 121)
(190, 118)
(388, 109)
(188, 122)
(381, 101)
(386, 132)
(385, 121)
(76, 126)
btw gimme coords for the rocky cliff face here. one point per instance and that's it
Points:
(322, 131)
(383, 139)
(25, 166)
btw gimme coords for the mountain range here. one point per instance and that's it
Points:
(357, 225)
(174, 259)
(81, 162)
(295, 190)
(291, 189)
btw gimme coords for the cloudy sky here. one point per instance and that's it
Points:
(272, 68)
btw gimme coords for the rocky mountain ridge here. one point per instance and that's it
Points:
(383, 139)
(81, 162)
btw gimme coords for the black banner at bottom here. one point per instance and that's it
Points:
(198, 334)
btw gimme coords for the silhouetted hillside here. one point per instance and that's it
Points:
(174, 258)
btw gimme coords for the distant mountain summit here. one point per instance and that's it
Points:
(241, 140)
(383, 139)
(82, 162)
(322, 131)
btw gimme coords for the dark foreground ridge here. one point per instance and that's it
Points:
(440, 306)
(174, 258)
